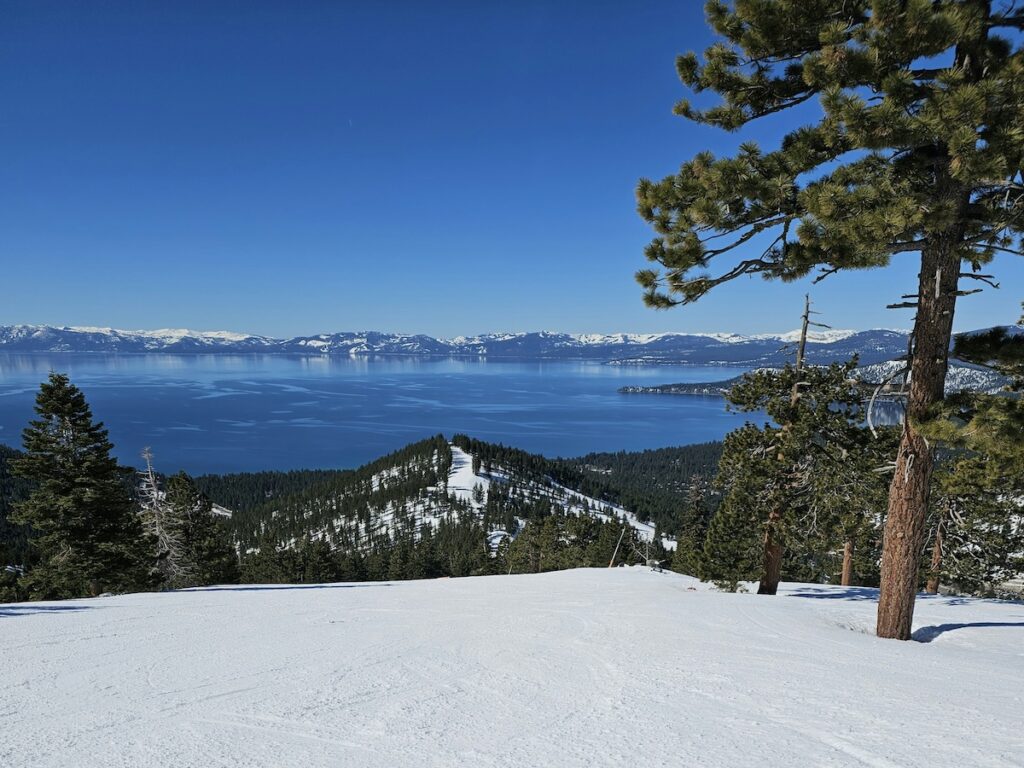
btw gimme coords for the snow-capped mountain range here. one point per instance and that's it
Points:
(621, 348)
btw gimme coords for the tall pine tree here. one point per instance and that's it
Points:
(86, 535)
(917, 150)
(206, 543)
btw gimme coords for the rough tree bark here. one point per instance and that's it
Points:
(935, 569)
(847, 576)
(771, 567)
(909, 490)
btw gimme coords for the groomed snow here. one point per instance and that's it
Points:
(578, 668)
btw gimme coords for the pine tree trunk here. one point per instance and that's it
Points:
(908, 493)
(935, 571)
(940, 273)
(847, 576)
(771, 569)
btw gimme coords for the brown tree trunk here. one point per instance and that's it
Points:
(933, 326)
(771, 569)
(935, 571)
(847, 576)
(908, 492)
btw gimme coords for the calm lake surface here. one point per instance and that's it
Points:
(212, 413)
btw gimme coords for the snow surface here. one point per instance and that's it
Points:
(462, 480)
(578, 668)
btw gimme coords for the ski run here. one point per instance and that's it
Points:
(607, 667)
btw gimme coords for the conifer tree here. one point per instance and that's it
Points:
(917, 150)
(208, 548)
(978, 531)
(990, 425)
(733, 547)
(163, 528)
(86, 536)
(802, 489)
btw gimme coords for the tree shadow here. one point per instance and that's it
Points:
(836, 593)
(273, 587)
(927, 634)
(25, 609)
(871, 594)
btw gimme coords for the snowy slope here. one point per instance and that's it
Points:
(462, 481)
(575, 668)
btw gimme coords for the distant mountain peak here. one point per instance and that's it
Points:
(616, 348)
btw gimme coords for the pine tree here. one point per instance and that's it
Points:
(978, 530)
(804, 490)
(208, 548)
(86, 535)
(747, 476)
(163, 528)
(987, 424)
(917, 150)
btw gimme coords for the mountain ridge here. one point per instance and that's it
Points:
(874, 345)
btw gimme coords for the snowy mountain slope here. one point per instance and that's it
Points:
(960, 376)
(462, 482)
(44, 338)
(622, 348)
(422, 485)
(575, 668)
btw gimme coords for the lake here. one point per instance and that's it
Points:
(227, 413)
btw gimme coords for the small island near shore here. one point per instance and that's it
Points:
(705, 388)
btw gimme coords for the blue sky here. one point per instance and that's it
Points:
(288, 168)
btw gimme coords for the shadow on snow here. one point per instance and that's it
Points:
(836, 593)
(24, 609)
(927, 634)
(272, 587)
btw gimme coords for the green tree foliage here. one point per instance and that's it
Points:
(251, 490)
(85, 534)
(694, 515)
(733, 546)
(981, 542)
(977, 534)
(991, 425)
(557, 542)
(206, 543)
(15, 553)
(916, 148)
(343, 505)
(14, 547)
(812, 484)
(654, 483)
(394, 519)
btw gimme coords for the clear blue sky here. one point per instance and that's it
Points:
(296, 167)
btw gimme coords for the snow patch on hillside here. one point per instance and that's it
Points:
(462, 482)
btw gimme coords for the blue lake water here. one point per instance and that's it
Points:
(240, 413)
